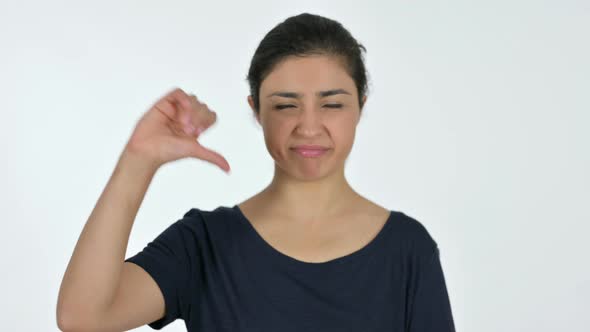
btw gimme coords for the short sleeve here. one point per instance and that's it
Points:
(170, 260)
(429, 305)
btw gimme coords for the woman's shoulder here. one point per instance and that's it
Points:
(210, 218)
(196, 212)
(412, 232)
(408, 229)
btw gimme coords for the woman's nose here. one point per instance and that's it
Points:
(310, 121)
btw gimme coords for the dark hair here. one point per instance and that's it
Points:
(302, 35)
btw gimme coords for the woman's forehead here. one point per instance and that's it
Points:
(310, 63)
(302, 76)
(299, 95)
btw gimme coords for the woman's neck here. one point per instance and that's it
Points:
(298, 199)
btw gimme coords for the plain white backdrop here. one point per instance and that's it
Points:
(477, 125)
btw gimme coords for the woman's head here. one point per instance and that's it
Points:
(304, 35)
(308, 86)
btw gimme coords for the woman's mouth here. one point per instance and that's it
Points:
(310, 152)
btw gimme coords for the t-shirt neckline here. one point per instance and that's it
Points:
(286, 259)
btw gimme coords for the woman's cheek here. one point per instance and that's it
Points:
(345, 139)
(276, 143)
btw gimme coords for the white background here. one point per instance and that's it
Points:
(476, 124)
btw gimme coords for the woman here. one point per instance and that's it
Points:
(307, 253)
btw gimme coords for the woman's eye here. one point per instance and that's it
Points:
(280, 107)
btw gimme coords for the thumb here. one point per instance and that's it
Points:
(194, 149)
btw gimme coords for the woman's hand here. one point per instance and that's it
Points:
(168, 131)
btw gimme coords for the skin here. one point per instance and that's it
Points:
(309, 211)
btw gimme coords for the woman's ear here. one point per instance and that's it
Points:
(251, 103)
(362, 107)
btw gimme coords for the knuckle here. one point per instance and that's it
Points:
(201, 118)
(179, 93)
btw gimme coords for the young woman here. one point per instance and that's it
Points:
(307, 253)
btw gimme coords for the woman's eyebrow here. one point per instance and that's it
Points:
(288, 94)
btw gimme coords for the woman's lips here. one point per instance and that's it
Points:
(310, 152)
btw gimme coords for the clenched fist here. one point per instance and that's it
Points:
(169, 130)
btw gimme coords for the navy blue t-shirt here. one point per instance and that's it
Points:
(217, 273)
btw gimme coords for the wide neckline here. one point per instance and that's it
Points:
(286, 259)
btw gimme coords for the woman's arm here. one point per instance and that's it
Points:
(92, 277)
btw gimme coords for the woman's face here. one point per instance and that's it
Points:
(293, 111)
